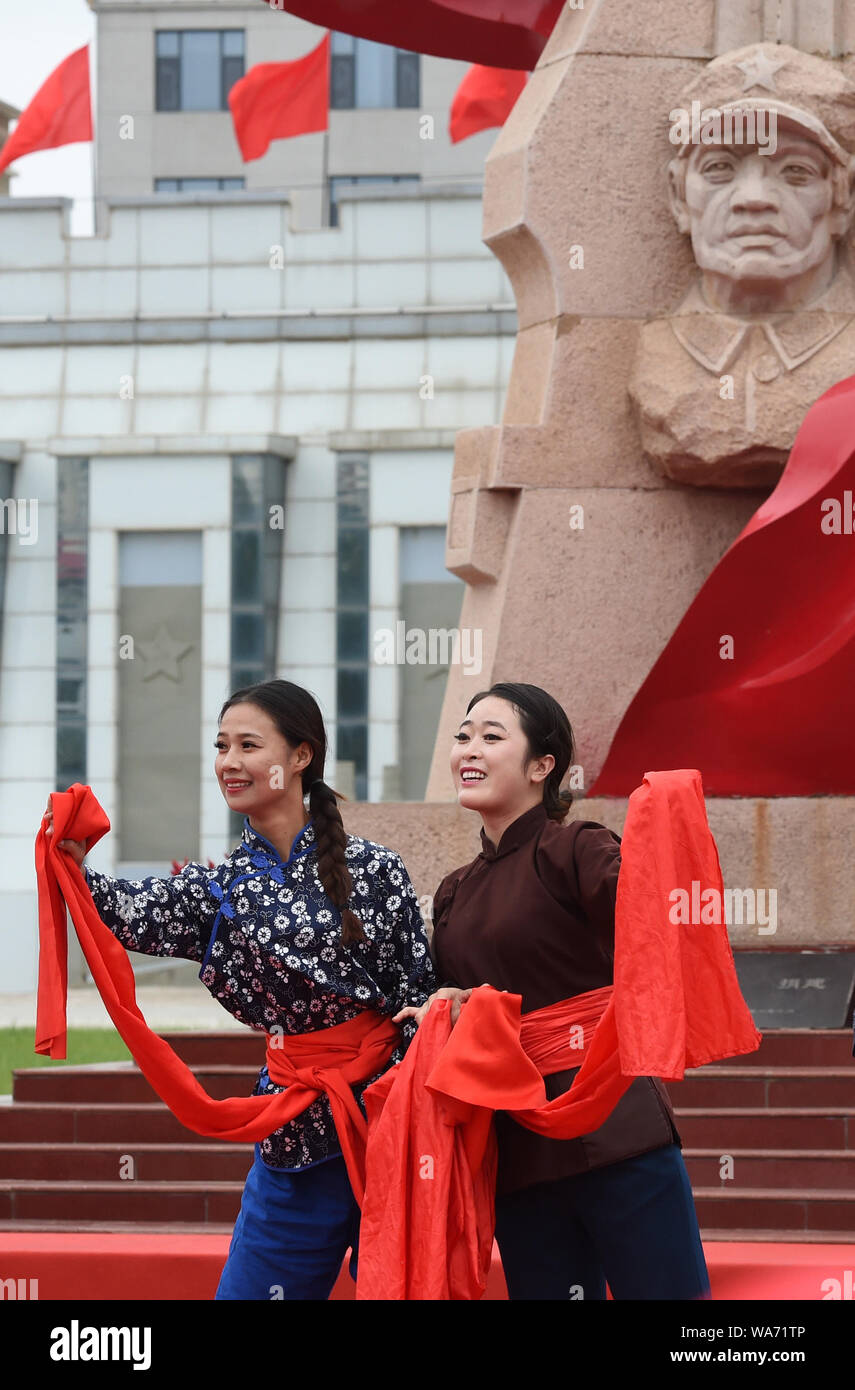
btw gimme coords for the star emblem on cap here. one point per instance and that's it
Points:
(759, 71)
(163, 654)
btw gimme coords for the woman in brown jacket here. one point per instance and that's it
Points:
(534, 914)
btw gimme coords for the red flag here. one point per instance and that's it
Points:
(485, 98)
(276, 100)
(503, 33)
(60, 113)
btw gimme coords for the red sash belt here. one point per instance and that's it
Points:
(329, 1060)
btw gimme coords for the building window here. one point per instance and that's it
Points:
(430, 602)
(258, 501)
(71, 619)
(196, 68)
(340, 181)
(6, 501)
(365, 74)
(197, 185)
(352, 637)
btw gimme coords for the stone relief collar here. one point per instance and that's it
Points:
(716, 340)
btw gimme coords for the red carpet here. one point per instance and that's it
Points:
(152, 1265)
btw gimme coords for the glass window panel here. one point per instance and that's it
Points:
(352, 490)
(352, 692)
(352, 636)
(167, 43)
(352, 741)
(407, 91)
(248, 637)
(70, 754)
(342, 43)
(342, 84)
(200, 70)
(166, 185)
(246, 567)
(233, 42)
(353, 568)
(233, 183)
(232, 73)
(245, 675)
(168, 84)
(154, 558)
(375, 74)
(70, 693)
(247, 490)
(352, 744)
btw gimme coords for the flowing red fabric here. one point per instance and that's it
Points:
(500, 33)
(329, 1060)
(484, 99)
(785, 594)
(60, 113)
(277, 100)
(427, 1228)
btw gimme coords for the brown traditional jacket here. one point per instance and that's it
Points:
(535, 916)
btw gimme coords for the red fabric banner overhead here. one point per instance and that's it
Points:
(498, 33)
(755, 686)
(60, 113)
(277, 100)
(484, 99)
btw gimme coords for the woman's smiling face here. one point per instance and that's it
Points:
(255, 765)
(488, 760)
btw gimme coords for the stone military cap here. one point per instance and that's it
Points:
(809, 91)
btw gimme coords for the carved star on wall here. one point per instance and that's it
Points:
(760, 71)
(162, 654)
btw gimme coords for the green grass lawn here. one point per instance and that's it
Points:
(84, 1045)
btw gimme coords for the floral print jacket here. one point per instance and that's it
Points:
(268, 941)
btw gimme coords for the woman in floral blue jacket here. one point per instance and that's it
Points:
(302, 927)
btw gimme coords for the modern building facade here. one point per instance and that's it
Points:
(227, 422)
(163, 75)
(225, 453)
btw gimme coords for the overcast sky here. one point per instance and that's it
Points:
(35, 36)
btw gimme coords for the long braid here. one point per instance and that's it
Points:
(331, 840)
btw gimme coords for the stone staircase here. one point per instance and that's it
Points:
(785, 1116)
(769, 1142)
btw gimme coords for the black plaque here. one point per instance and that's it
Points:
(798, 989)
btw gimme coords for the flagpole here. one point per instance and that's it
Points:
(326, 201)
(93, 92)
(326, 196)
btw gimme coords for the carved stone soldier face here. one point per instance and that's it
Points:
(763, 225)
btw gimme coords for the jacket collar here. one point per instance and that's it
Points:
(519, 832)
(716, 340)
(259, 847)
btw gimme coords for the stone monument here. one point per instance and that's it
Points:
(586, 522)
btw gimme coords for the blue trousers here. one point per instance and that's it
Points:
(631, 1223)
(292, 1233)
